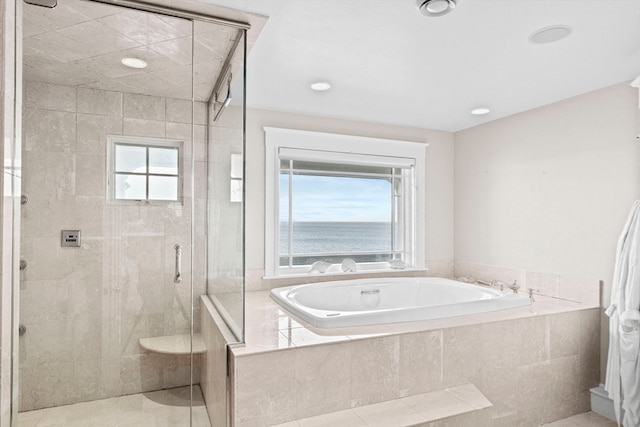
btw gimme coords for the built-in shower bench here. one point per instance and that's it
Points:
(174, 344)
(417, 410)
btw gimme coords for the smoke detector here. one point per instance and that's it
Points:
(435, 7)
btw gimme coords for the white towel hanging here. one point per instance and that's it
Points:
(623, 365)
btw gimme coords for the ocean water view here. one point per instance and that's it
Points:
(336, 237)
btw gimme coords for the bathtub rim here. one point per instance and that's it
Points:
(400, 315)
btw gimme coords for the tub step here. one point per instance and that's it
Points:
(174, 344)
(417, 410)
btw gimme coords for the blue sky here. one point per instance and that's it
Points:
(324, 198)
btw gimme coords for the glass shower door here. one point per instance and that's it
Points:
(112, 165)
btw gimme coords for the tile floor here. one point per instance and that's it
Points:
(587, 419)
(170, 408)
(350, 419)
(164, 408)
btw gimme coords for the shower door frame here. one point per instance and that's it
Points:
(11, 127)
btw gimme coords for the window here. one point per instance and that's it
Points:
(144, 169)
(332, 197)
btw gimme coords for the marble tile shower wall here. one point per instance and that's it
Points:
(86, 308)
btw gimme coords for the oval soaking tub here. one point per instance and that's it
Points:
(387, 300)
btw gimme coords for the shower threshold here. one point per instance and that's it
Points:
(156, 408)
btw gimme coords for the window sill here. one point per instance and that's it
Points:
(342, 274)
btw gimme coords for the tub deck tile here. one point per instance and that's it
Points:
(267, 323)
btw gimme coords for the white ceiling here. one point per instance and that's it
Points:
(388, 63)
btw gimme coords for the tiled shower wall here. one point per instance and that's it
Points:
(86, 308)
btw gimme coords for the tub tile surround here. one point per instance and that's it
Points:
(522, 361)
(548, 284)
(100, 299)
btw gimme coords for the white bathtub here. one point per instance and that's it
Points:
(388, 300)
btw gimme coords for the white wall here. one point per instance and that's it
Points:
(439, 182)
(549, 190)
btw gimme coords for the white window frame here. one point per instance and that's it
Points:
(113, 140)
(338, 148)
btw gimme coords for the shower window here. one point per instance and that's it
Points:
(143, 169)
(333, 197)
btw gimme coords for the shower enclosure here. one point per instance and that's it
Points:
(131, 210)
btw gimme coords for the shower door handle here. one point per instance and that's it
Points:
(177, 278)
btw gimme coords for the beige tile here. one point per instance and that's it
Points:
(546, 284)
(527, 342)
(586, 291)
(421, 361)
(567, 422)
(92, 132)
(105, 103)
(374, 370)
(50, 387)
(179, 110)
(91, 175)
(347, 418)
(200, 114)
(265, 385)
(393, 413)
(289, 424)
(470, 394)
(199, 143)
(144, 107)
(564, 333)
(437, 404)
(163, 408)
(145, 128)
(459, 364)
(322, 379)
(502, 388)
(50, 97)
(301, 337)
(49, 131)
(591, 419)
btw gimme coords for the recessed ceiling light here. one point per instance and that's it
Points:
(550, 34)
(321, 86)
(480, 111)
(134, 63)
(435, 7)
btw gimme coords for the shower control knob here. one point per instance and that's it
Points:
(23, 264)
(22, 330)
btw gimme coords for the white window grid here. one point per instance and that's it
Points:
(120, 140)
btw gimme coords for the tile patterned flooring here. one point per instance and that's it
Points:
(170, 408)
(164, 408)
(587, 419)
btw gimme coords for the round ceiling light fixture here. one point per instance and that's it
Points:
(480, 111)
(550, 34)
(435, 7)
(134, 63)
(321, 86)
